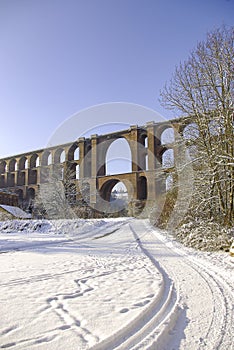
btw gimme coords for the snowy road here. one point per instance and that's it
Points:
(110, 284)
(203, 310)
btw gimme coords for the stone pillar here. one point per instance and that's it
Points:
(5, 180)
(151, 185)
(133, 138)
(178, 146)
(94, 155)
(150, 126)
(81, 145)
(52, 156)
(151, 174)
(94, 168)
(26, 177)
(38, 170)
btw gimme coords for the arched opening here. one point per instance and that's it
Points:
(71, 171)
(73, 152)
(168, 136)
(59, 156)
(62, 157)
(146, 142)
(114, 189)
(31, 193)
(21, 178)
(12, 165)
(119, 195)
(32, 177)
(22, 163)
(50, 159)
(191, 131)
(34, 161)
(168, 158)
(142, 188)
(118, 157)
(2, 181)
(2, 167)
(46, 158)
(116, 197)
(143, 152)
(77, 154)
(11, 180)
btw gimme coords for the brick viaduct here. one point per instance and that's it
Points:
(25, 173)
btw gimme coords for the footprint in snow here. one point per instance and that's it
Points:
(124, 310)
(141, 303)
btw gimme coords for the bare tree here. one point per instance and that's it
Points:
(57, 195)
(62, 195)
(202, 88)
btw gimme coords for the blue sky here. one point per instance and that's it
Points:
(61, 56)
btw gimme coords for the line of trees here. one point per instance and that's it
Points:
(203, 88)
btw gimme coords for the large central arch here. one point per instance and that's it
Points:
(105, 191)
(107, 186)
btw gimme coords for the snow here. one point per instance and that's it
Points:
(110, 284)
(16, 212)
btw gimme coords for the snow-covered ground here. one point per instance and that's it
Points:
(110, 284)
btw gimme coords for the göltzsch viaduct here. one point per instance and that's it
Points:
(23, 174)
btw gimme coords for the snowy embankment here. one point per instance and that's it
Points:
(110, 284)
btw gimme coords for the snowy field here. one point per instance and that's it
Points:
(110, 284)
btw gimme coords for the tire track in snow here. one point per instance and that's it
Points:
(161, 312)
(149, 331)
(220, 327)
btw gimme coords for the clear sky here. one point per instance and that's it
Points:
(58, 57)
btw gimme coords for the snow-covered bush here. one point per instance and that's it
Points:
(205, 235)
